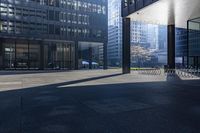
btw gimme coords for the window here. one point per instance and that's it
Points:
(51, 29)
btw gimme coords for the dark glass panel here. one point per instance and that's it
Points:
(34, 56)
(22, 54)
(9, 55)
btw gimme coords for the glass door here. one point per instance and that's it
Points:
(22, 55)
(9, 55)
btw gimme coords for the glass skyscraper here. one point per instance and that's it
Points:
(52, 34)
(114, 33)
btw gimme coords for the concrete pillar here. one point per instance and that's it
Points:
(126, 46)
(171, 46)
(1, 54)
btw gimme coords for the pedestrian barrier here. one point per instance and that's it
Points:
(149, 71)
(183, 73)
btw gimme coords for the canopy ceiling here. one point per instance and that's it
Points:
(169, 12)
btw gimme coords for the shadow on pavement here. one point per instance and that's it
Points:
(173, 77)
(151, 107)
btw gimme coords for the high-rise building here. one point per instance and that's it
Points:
(139, 34)
(52, 34)
(142, 34)
(162, 37)
(114, 33)
(153, 36)
(181, 47)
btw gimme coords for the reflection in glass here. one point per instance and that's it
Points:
(90, 55)
(34, 56)
(148, 45)
(59, 56)
(194, 42)
(22, 55)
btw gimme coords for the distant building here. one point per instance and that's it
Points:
(181, 46)
(152, 36)
(139, 34)
(114, 33)
(162, 37)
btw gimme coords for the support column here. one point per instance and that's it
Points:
(171, 46)
(90, 57)
(76, 55)
(188, 44)
(28, 63)
(41, 55)
(126, 46)
(1, 54)
(195, 62)
(105, 59)
(183, 63)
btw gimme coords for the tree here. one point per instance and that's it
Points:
(140, 55)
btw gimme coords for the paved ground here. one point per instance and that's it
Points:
(98, 102)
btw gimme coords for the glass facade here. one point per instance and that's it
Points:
(114, 33)
(59, 55)
(90, 55)
(33, 55)
(187, 47)
(148, 45)
(9, 54)
(53, 18)
(181, 48)
(33, 31)
(194, 43)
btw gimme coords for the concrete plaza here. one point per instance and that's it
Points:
(98, 101)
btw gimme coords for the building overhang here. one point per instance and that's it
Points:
(168, 12)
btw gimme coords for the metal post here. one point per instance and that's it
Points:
(90, 57)
(171, 46)
(105, 65)
(76, 55)
(126, 46)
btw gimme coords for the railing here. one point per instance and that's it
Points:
(182, 73)
(150, 71)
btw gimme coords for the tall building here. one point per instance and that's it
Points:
(181, 47)
(142, 34)
(114, 33)
(139, 34)
(162, 44)
(52, 34)
(162, 37)
(153, 36)
(194, 43)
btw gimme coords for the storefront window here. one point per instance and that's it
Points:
(9, 55)
(22, 55)
(34, 56)
(90, 55)
(59, 56)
